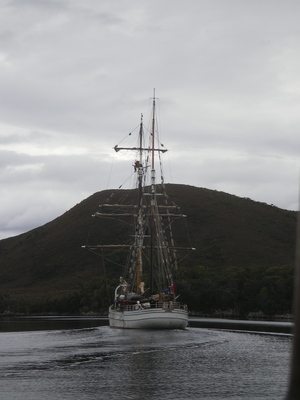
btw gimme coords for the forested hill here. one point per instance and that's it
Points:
(227, 231)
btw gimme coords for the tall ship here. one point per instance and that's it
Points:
(145, 296)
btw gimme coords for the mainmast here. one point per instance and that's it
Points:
(139, 227)
(140, 168)
(153, 199)
(153, 129)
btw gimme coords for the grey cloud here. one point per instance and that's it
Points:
(75, 77)
(42, 4)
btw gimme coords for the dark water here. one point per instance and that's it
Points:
(105, 363)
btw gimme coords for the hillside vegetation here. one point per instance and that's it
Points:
(243, 260)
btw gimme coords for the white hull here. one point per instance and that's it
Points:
(157, 318)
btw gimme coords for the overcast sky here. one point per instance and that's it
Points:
(76, 75)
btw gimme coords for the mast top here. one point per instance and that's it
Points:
(153, 130)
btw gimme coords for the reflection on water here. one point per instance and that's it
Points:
(48, 323)
(105, 363)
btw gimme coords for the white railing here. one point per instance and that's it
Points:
(170, 305)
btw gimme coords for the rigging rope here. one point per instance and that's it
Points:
(129, 134)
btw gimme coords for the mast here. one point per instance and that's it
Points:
(139, 228)
(153, 199)
(140, 170)
(153, 129)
